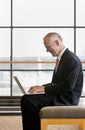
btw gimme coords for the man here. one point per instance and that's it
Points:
(64, 89)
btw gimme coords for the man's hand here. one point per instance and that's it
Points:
(36, 89)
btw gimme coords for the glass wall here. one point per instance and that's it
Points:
(5, 11)
(23, 25)
(43, 13)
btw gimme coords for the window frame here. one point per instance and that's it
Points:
(11, 100)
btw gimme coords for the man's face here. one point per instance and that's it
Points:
(52, 47)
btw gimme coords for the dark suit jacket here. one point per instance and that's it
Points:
(67, 82)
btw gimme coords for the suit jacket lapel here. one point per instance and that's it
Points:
(62, 59)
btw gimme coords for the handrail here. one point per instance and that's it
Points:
(27, 62)
(30, 62)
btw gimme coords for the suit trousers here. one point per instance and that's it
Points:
(30, 107)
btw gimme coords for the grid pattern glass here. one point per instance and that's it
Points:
(23, 25)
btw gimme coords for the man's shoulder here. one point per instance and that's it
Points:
(69, 55)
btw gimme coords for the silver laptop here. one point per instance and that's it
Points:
(22, 89)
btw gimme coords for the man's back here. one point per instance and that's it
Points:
(67, 82)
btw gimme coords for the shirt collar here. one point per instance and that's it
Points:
(60, 55)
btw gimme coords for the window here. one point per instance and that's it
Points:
(80, 9)
(23, 25)
(5, 8)
(43, 13)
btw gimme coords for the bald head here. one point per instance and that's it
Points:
(53, 36)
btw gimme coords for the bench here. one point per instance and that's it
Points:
(70, 117)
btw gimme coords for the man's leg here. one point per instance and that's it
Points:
(30, 107)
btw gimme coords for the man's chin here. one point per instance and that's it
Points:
(53, 55)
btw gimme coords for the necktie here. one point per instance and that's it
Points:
(57, 63)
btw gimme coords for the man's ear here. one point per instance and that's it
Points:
(57, 42)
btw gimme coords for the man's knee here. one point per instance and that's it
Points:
(23, 99)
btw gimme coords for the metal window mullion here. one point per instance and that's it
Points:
(11, 48)
(75, 26)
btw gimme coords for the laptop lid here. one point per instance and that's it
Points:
(19, 84)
